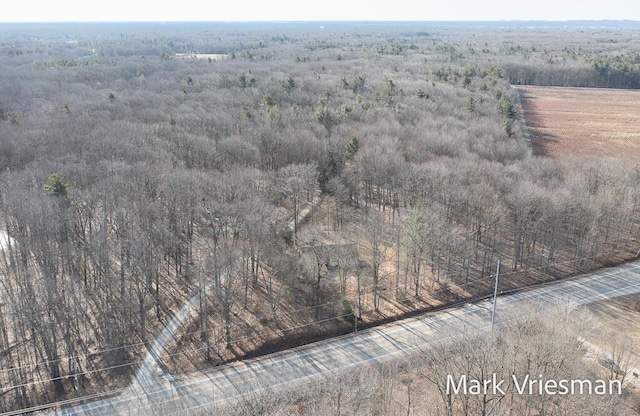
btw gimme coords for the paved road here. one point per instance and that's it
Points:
(221, 385)
(145, 378)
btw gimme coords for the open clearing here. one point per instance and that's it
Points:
(583, 121)
(212, 56)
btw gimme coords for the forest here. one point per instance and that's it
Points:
(302, 180)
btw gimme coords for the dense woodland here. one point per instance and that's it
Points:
(300, 178)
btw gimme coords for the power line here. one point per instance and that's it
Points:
(138, 344)
(148, 393)
(160, 390)
(261, 388)
(257, 336)
(219, 344)
(236, 340)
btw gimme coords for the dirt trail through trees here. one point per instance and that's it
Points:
(304, 212)
(152, 364)
(152, 367)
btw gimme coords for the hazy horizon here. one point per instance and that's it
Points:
(67, 11)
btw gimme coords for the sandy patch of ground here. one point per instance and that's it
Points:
(5, 241)
(212, 56)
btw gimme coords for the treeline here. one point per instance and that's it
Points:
(307, 176)
(609, 60)
(597, 75)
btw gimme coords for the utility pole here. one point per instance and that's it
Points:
(355, 322)
(495, 296)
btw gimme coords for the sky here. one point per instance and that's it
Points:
(322, 10)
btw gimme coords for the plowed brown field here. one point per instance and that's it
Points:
(583, 121)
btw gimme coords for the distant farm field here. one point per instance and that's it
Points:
(583, 121)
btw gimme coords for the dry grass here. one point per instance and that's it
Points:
(618, 318)
(583, 121)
